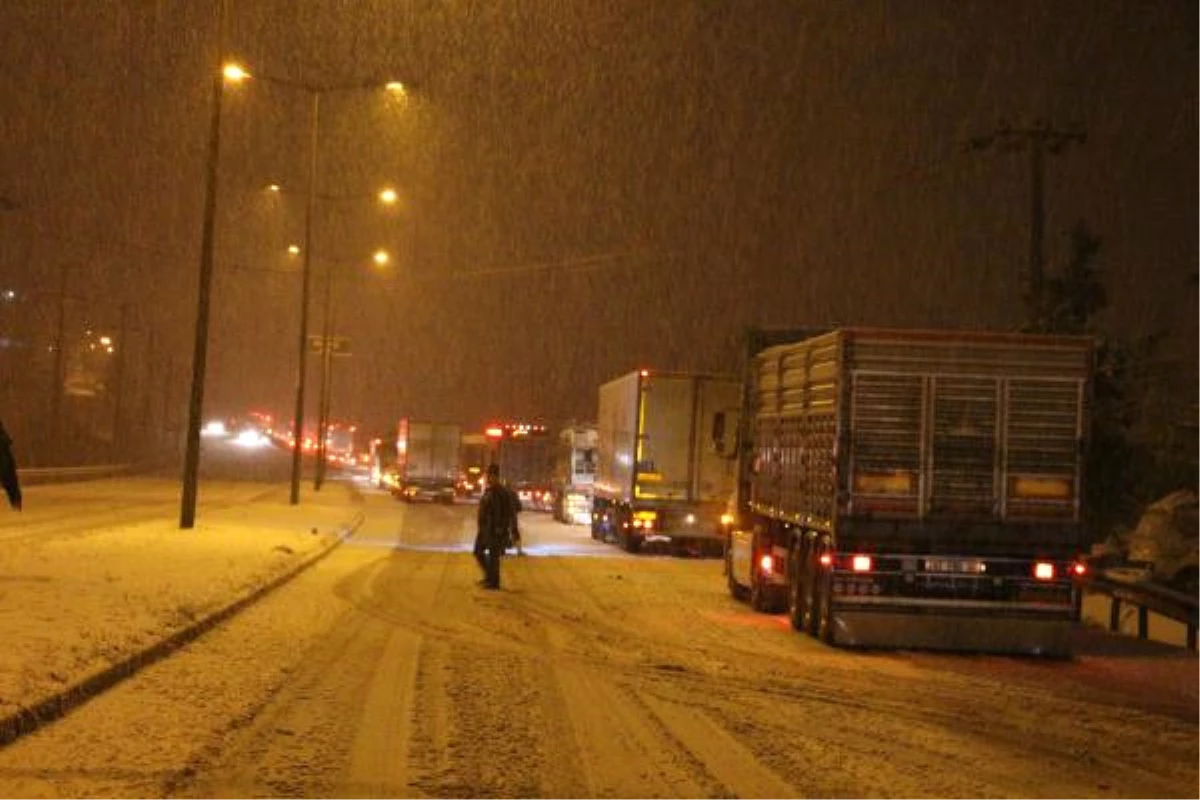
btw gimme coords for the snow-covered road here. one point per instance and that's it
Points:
(384, 670)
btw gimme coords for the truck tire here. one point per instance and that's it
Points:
(736, 590)
(797, 599)
(824, 616)
(760, 599)
(812, 595)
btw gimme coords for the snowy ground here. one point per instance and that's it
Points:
(383, 670)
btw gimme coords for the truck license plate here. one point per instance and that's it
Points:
(972, 566)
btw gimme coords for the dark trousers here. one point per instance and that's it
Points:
(488, 555)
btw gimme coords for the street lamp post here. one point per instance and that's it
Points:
(191, 463)
(380, 258)
(314, 93)
(305, 284)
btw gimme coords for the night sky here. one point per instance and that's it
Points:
(587, 186)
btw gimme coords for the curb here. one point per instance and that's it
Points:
(29, 719)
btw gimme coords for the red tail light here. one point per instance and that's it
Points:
(766, 563)
(826, 560)
(861, 564)
(1043, 571)
(1079, 569)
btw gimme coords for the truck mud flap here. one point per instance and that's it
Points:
(876, 628)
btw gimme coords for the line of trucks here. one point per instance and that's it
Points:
(883, 487)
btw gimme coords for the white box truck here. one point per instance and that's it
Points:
(659, 478)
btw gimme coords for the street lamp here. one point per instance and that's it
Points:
(191, 461)
(315, 93)
(380, 259)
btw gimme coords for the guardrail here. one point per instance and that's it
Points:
(1147, 598)
(35, 475)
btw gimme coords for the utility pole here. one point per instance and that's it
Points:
(1039, 141)
(119, 381)
(56, 385)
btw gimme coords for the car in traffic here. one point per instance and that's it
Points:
(417, 491)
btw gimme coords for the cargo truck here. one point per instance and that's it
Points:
(524, 452)
(575, 474)
(427, 460)
(658, 477)
(907, 488)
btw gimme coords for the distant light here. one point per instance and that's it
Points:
(294, 249)
(395, 86)
(234, 73)
(214, 428)
(274, 187)
(105, 340)
(251, 439)
(380, 257)
(388, 195)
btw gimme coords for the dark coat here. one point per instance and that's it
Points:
(8, 470)
(497, 518)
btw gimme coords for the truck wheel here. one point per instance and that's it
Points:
(736, 590)
(812, 596)
(797, 599)
(825, 627)
(759, 599)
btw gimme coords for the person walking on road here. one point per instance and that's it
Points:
(495, 523)
(8, 470)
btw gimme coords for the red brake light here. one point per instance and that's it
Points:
(1043, 571)
(766, 563)
(826, 559)
(1079, 568)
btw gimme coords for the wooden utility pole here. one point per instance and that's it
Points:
(1039, 140)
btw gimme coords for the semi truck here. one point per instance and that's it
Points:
(575, 474)
(524, 452)
(658, 477)
(911, 488)
(476, 454)
(427, 460)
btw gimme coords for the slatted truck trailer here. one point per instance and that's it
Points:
(922, 489)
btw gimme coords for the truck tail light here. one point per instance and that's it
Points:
(825, 560)
(1079, 569)
(766, 563)
(861, 564)
(1043, 571)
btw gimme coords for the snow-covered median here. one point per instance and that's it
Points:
(85, 595)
